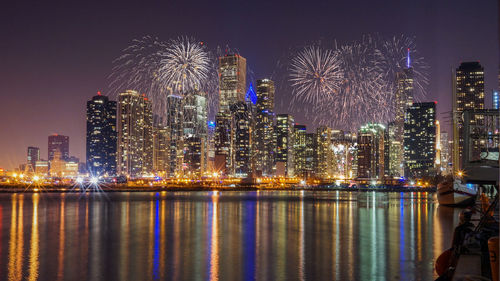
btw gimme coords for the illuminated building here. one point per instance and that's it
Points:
(195, 132)
(161, 145)
(370, 154)
(495, 100)
(222, 140)
(194, 155)
(232, 86)
(343, 149)
(324, 153)
(420, 140)
(33, 156)
(393, 151)
(42, 167)
(468, 94)
(57, 165)
(310, 154)
(101, 135)
(300, 150)
(232, 80)
(174, 126)
(135, 134)
(58, 143)
(284, 145)
(264, 115)
(445, 154)
(403, 100)
(242, 139)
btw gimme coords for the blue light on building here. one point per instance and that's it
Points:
(251, 96)
(495, 100)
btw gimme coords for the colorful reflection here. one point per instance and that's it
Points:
(222, 236)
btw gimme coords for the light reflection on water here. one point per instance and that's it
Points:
(258, 235)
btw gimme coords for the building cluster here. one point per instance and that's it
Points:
(248, 140)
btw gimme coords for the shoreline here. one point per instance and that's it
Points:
(104, 188)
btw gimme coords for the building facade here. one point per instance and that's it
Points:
(135, 135)
(264, 117)
(101, 136)
(58, 143)
(420, 140)
(370, 154)
(284, 145)
(33, 155)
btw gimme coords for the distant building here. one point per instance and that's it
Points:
(42, 167)
(33, 156)
(468, 95)
(242, 139)
(195, 133)
(343, 153)
(174, 126)
(284, 145)
(57, 165)
(161, 145)
(420, 140)
(370, 154)
(135, 134)
(310, 154)
(101, 135)
(300, 150)
(58, 143)
(393, 151)
(445, 154)
(324, 153)
(232, 80)
(264, 116)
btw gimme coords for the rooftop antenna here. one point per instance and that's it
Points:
(408, 59)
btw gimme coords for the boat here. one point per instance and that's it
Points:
(452, 192)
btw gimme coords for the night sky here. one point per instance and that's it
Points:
(54, 56)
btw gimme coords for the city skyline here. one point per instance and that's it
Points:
(36, 117)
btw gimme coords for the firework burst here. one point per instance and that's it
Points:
(315, 74)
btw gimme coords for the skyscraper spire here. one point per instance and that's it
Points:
(408, 59)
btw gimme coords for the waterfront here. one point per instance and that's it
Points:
(225, 235)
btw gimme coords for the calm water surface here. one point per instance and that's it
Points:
(270, 235)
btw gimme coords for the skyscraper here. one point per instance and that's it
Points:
(324, 152)
(101, 135)
(468, 95)
(58, 143)
(393, 151)
(33, 156)
(232, 80)
(370, 155)
(284, 145)
(264, 116)
(420, 140)
(161, 148)
(232, 88)
(174, 126)
(403, 100)
(310, 154)
(194, 118)
(300, 150)
(135, 134)
(242, 139)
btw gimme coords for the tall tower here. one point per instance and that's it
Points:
(135, 134)
(195, 131)
(58, 143)
(174, 126)
(299, 150)
(324, 153)
(468, 95)
(101, 135)
(420, 140)
(284, 145)
(404, 99)
(264, 116)
(242, 132)
(232, 80)
(232, 85)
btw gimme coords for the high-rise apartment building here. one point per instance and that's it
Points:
(264, 116)
(468, 94)
(58, 143)
(33, 156)
(284, 145)
(420, 140)
(101, 135)
(370, 154)
(300, 150)
(135, 134)
(161, 149)
(324, 153)
(174, 124)
(232, 80)
(242, 139)
(195, 132)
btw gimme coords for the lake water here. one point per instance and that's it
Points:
(260, 235)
